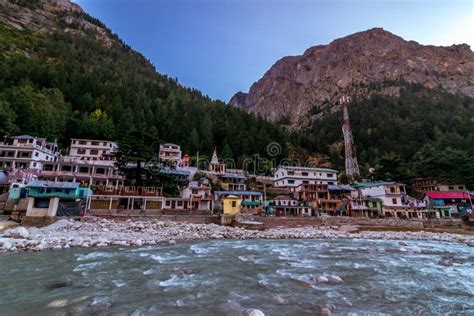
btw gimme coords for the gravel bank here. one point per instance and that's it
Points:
(95, 232)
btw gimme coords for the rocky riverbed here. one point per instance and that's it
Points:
(96, 232)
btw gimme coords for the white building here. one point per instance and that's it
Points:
(90, 171)
(171, 152)
(91, 148)
(27, 152)
(395, 201)
(294, 176)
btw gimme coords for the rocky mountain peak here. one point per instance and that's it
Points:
(297, 89)
(47, 16)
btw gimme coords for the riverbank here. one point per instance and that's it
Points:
(96, 232)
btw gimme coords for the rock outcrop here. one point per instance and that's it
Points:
(299, 89)
(45, 16)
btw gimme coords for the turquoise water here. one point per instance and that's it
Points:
(228, 277)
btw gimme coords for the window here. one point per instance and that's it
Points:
(234, 204)
(82, 142)
(394, 201)
(83, 169)
(94, 152)
(168, 203)
(330, 175)
(194, 191)
(304, 174)
(66, 168)
(180, 203)
(24, 154)
(36, 154)
(450, 188)
(392, 189)
(291, 181)
(305, 181)
(95, 143)
(81, 151)
(330, 183)
(100, 170)
(291, 173)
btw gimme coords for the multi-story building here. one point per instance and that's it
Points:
(171, 153)
(46, 198)
(92, 148)
(424, 185)
(89, 171)
(293, 176)
(448, 204)
(233, 182)
(395, 201)
(286, 206)
(126, 200)
(27, 152)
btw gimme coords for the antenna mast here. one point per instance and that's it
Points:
(352, 166)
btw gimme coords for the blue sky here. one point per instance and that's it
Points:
(223, 46)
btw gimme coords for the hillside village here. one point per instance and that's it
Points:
(38, 183)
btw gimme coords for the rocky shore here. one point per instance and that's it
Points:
(96, 232)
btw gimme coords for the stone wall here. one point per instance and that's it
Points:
(336, 221)
(37, 221)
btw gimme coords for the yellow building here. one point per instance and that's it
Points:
(232, 204)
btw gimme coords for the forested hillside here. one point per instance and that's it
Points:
(63, 74)
(62, 85)
(423, 132)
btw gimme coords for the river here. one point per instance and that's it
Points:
(228, 277)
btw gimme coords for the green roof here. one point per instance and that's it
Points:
(370, 184)
(251, 203)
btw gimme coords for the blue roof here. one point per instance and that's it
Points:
(233, 176)
(175, 172)
(52, 184)
(237, 192)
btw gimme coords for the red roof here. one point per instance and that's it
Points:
(451, 195)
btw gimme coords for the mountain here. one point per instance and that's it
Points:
(297, 89)
(64, 74)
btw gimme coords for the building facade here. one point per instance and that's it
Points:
(171, 153)
(293, 176)
(27, 152)
(92, 148)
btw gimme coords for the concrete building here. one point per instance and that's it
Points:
(252, 201)
(27, 152)
(89, 171)
(282, 206)
(171, 153)
(233, 182)
(231, 204)
(126, 200)
(294, 176)
(395, 202)
(423, 185)
(48, 199)
(92, 148)
(449, 203)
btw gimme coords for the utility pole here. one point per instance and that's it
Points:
(352, 166)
